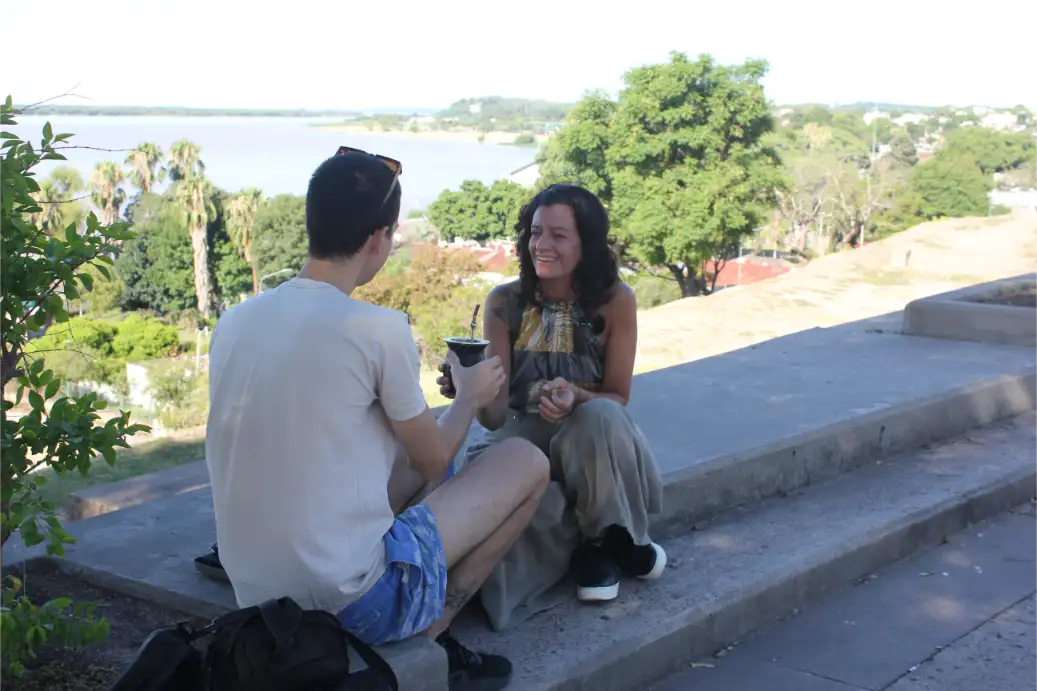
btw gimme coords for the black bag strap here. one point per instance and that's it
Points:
(372, 659)
(282, 618)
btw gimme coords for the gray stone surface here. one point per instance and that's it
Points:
(750, 398)
(112, 496)
(960, 316)
(754, 566)
(949, 619)
(870, 635)
(766, 419)
(748, 675)
(999, 656)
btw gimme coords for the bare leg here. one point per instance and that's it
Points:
(481, 512)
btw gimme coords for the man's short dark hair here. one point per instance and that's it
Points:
(344, 204)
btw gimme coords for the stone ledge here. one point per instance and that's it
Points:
(757, 564)
(958, 315)
(703, 490)
(112, 496)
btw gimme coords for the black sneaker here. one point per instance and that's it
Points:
(640, 561)
(471, 671)
(209, 564)
(596, 574)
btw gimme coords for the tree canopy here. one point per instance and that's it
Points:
(478, 212)
(683, 160)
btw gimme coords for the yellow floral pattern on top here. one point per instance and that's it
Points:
(549, 340)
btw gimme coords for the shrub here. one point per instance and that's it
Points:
(85, 349)
(59, 432)
(141, 338)
(652, 290)
(183, 399)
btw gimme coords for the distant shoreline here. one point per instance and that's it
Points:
(168, 111)
(453, 135)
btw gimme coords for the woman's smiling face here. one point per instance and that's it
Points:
(554, 242)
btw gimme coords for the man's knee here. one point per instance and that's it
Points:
(525, 454)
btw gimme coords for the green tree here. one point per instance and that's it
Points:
(157, 267)
(902, 151)
(689, 171)
(58, 200)
(993, 151)
(478, 212)
(577, 153)
(58, 432)
(280, 236)
(108, 194)
(241, 218)
(146, 163)
(952, 186)
(184, 160)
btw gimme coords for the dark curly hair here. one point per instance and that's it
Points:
(598, 272)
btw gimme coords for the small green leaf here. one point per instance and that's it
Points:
(35, 400)
(52, 389)
(48, 132)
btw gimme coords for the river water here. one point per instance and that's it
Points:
(277, 155)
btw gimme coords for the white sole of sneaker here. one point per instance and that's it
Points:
(660, 564)
(599, 594)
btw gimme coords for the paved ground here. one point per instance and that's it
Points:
(958, 618)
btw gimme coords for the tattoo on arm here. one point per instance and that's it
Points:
(456, 598)
(500, 312)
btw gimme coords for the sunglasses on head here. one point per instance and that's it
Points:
(391, 163)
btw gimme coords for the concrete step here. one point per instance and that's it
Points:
(755, 565)
(704, 489)
(935, 620)
(113, 496)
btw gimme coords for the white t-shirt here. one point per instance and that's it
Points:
(299, 448)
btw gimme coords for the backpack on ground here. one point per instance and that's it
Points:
(275, 646)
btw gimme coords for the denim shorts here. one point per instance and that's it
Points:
(411, 594)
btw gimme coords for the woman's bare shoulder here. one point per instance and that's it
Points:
(621, 298)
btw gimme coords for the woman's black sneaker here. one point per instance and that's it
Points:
(471, 671)
(596, 574)
(637, 561)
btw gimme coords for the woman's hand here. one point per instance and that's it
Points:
(446, 382)
(559, 397)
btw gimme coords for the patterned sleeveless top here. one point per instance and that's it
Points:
(553, 339)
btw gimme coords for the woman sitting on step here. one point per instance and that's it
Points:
(566, 332)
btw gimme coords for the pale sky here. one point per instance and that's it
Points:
(427, 54)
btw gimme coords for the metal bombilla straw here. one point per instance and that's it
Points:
(475, 314)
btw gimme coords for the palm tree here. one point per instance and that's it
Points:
(241, 218)
(108, 194)
(57, 200)
(184, 160)
(146, 162)
(195, 196)
(48, 219)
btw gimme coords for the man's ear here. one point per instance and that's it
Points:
(374, 242)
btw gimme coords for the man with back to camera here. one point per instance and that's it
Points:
(319, 443)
